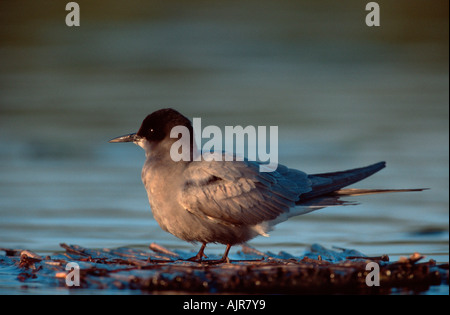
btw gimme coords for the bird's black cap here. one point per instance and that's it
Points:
(158, 125)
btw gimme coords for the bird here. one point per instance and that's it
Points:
(229, 201)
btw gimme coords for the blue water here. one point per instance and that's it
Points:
(342, 95)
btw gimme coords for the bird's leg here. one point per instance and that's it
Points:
(225, 255)
(200, 254)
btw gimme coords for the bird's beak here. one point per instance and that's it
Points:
(132, 137)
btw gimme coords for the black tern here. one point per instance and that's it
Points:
(229, 202)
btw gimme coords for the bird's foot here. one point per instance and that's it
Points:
(198, 258)
(200, 254)
(224, 258)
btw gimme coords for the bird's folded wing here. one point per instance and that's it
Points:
(236, 193)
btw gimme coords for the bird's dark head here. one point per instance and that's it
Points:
(157, 127)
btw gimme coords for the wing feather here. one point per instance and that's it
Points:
(235, 192)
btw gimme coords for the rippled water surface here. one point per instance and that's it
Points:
(342, 94)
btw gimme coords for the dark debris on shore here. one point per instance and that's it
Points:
(319, 271)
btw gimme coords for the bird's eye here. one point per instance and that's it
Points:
(151, 130)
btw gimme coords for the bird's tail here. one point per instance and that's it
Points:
(361, 192)
(332, 183)
(326, 183)
(327, 190)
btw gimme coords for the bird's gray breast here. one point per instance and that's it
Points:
(164, 183)
(161, 184)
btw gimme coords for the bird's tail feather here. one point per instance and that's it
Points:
(361, 192)
(326, 183)
(334, 199)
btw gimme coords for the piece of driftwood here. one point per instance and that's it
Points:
(319, 271)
